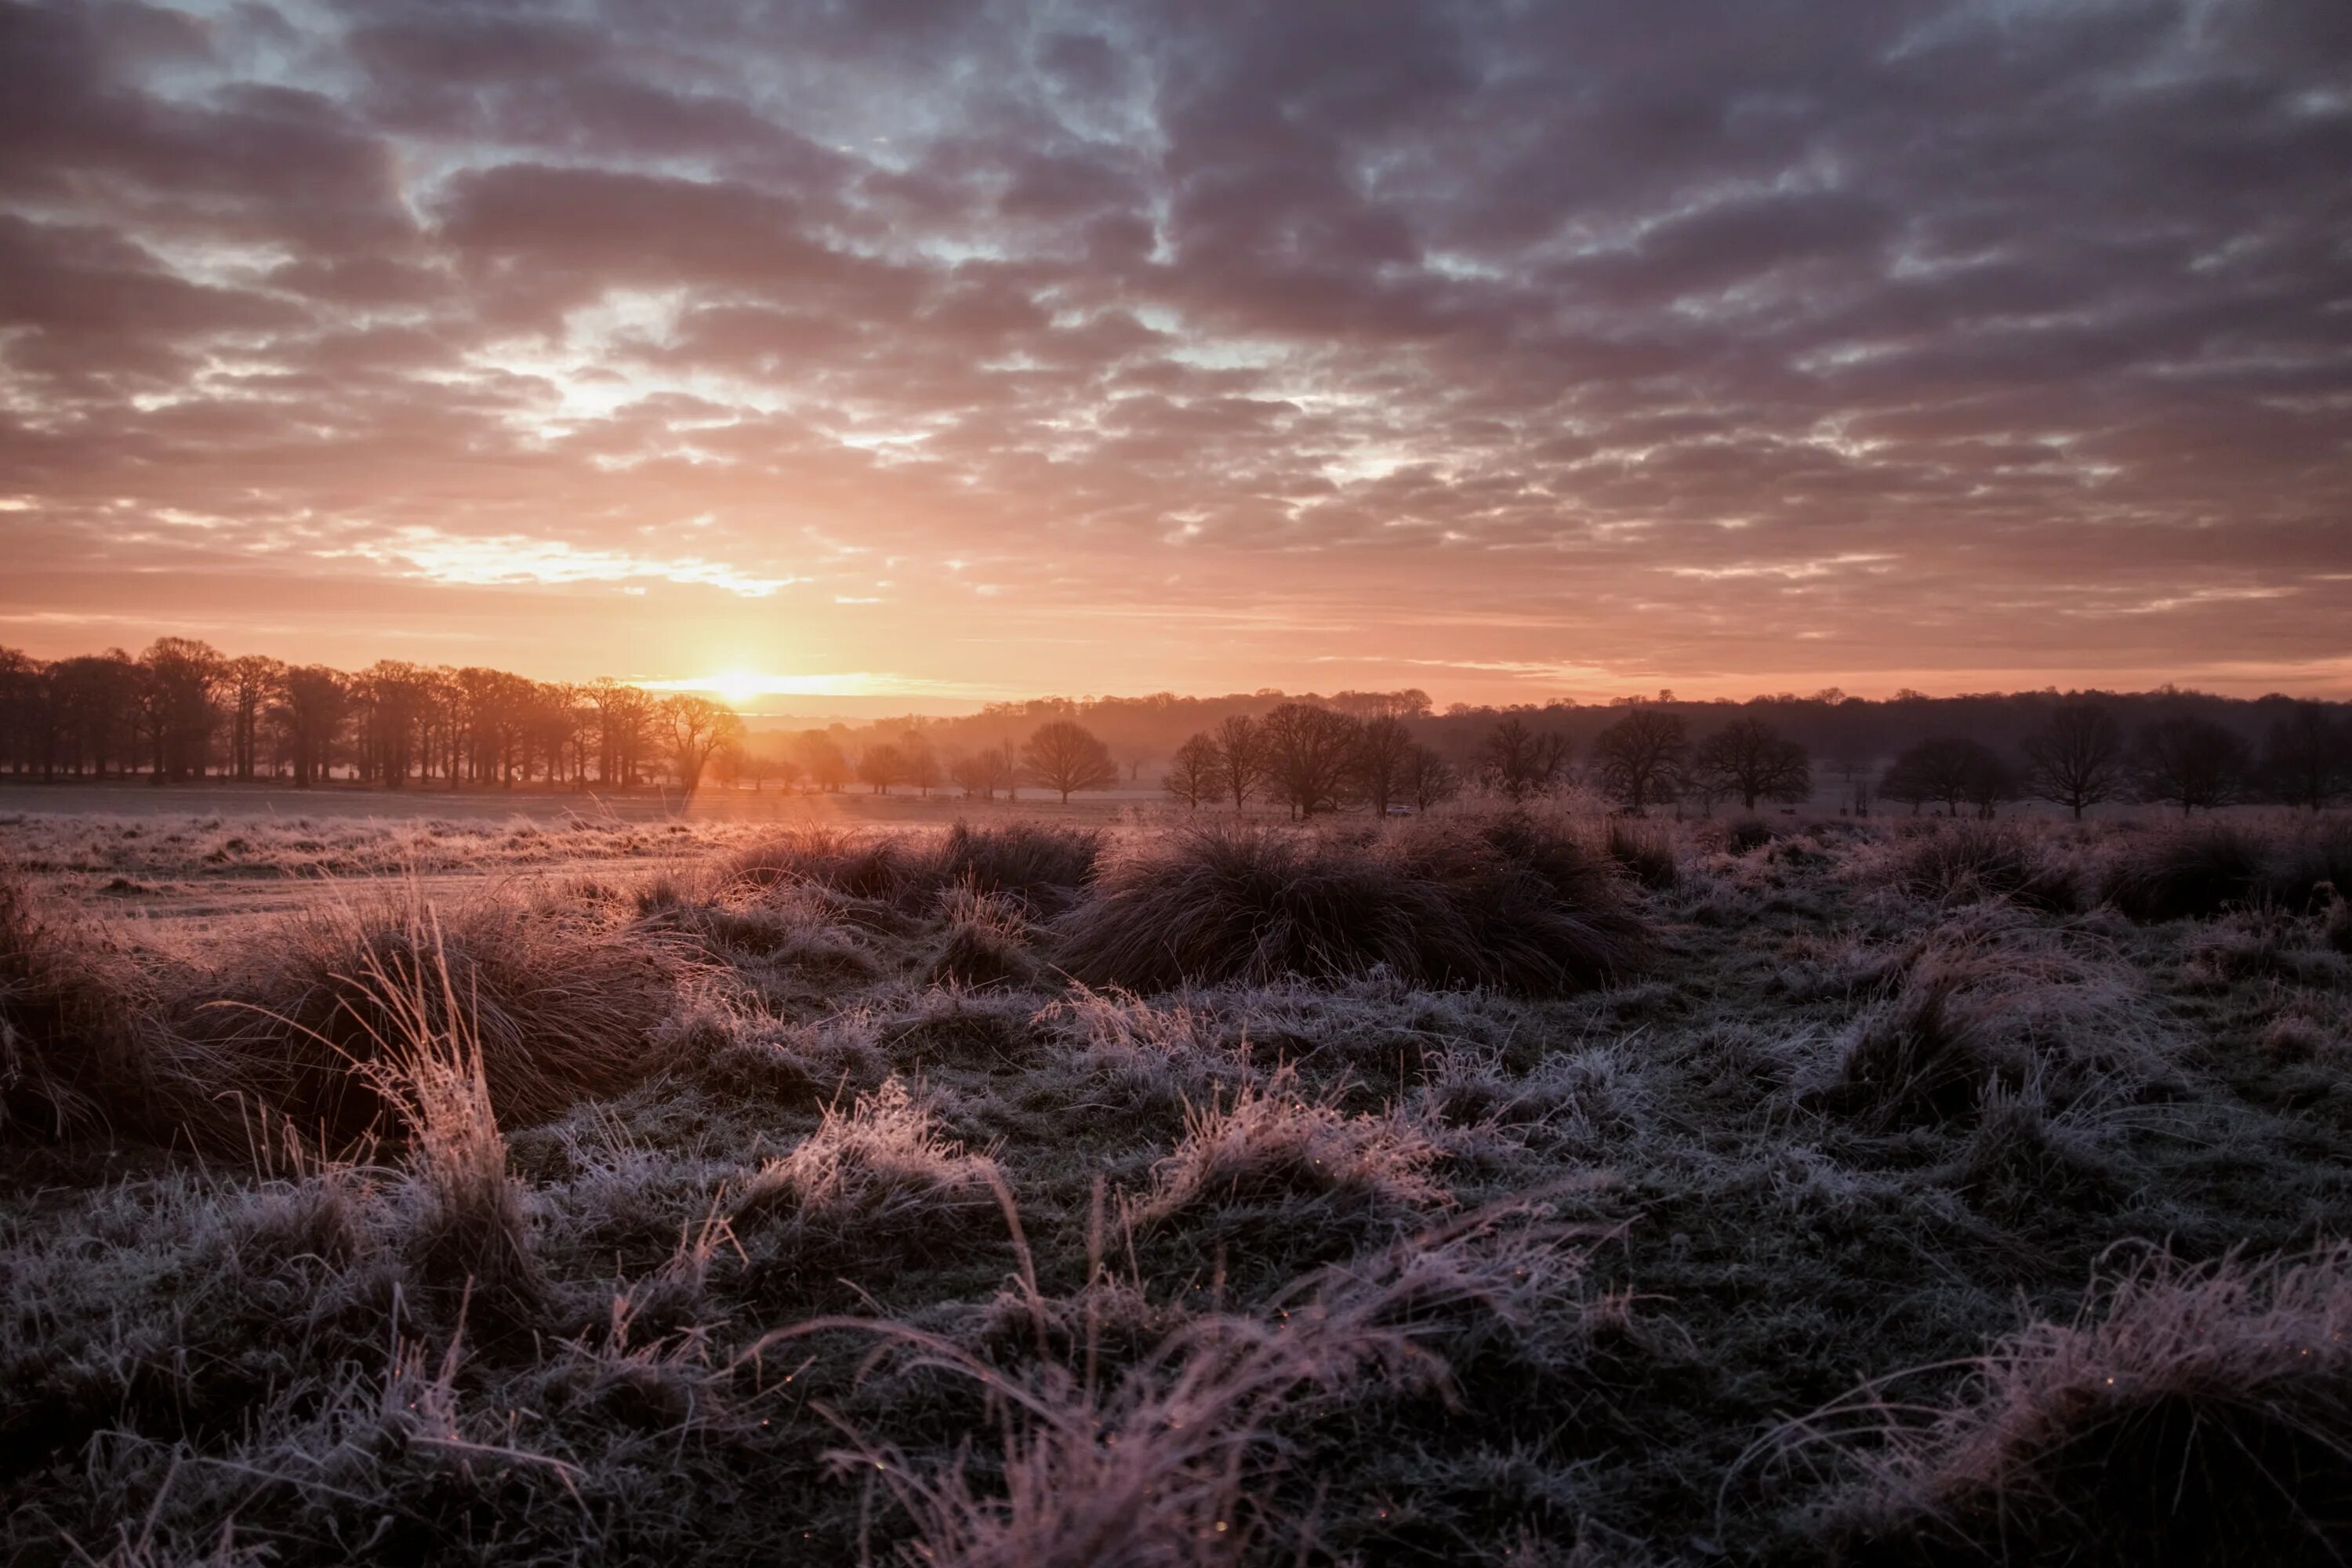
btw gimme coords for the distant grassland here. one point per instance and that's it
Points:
(1496, 1187)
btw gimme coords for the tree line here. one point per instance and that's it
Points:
(183, 711)
(1311, 759)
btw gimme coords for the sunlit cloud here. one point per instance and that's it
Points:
(513, 559)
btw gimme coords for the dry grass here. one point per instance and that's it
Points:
(558, 1009)
(76, 1045)
(2192, 1413)
(1387, 1236)
(1507, 901)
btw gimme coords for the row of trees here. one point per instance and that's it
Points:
(1313, 759)
(2079, 757)
(183, 711)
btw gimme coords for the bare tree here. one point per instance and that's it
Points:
(2191, 763)
(1641, 757)
(696, 729)
(923, 769)
(1066, 757)
(1239, 752)
(1429, 779)
(1192, 775)
(2075, 758)
(1303, 755)
(1749, 758)
(1517, 762)
(1384, 750)
(2307, 756)
(1950, 769)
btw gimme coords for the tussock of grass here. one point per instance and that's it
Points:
(1506, 902)
(879, 1185)
(1271, 1168)
(1039, 866)
(75, 1049)
(1993, 1007)
(1647, 851)
(2193, 1413)
(1954, 861)
(2182, 873)
(558, 1010)
(986, 941)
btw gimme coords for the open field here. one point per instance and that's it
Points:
(546, 1186)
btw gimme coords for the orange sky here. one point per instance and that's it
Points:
(939, 352)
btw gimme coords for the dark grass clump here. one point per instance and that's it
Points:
(986, 942)
(1507, 902)
(2193, 1413)
(1957, 861)
(1918, 1061)
(2185, 873)
(1041, 866)
(559, 1010)
(1749, 835)
(1647, 851)
(2310, 863)
(883, 868)
(74, 1047)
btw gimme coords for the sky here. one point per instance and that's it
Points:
(926, 352)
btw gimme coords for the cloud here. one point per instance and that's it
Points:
(1929, 333)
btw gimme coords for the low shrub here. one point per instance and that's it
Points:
(1505, 901)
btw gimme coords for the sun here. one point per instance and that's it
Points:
(738, 686)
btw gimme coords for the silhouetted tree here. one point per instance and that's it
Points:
(1066, 757)
(1384, 750)
(1303, 755)
(822, 759)
(2075, 758)
(2307, 756)
(1517, 762)
(1950, 769)
(1641, 757)
(2191, 763)
(309, 711)
(881, 766)
(696, 729)
(1429, 779)
(1192, 773)
(246, 683)
(1238, 758)
(1749, 758)
(923, 769)
(179, 678)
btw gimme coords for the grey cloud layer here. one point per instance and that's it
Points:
(1865, 319)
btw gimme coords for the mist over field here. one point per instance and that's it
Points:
(983, 784)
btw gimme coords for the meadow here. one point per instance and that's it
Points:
(1505, 1185)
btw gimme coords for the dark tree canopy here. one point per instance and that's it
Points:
(1749, 758)
(2191, 763)
(1064, 757)
(1951, 770)
(1517, 761)
(1641, 758)
(2075, 758)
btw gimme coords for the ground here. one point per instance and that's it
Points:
(540, 1185)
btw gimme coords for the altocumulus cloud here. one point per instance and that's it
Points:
(1651, 340)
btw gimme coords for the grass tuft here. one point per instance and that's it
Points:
(1509, 902)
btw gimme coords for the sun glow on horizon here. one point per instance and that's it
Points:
(738, 686)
